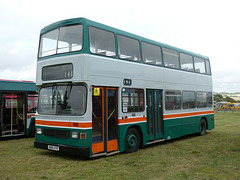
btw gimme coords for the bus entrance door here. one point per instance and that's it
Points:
(12, 114)
(104, 119)
(154, 115)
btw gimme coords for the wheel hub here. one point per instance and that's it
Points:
(131, 141)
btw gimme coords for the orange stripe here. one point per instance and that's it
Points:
(64, 124)
(168, 116)
(132, 120)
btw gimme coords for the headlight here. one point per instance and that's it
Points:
(75, 135)
(38, 131)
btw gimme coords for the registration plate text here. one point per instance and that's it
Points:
(53, 148)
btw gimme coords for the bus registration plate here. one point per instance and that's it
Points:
(53, 148)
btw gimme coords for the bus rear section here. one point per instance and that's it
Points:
(18, 108)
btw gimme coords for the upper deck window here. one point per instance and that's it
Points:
(186, 62)
(102, 42)
(171, 58)
(128, 48)
(151, 54)
(61, 40)
(199, 65)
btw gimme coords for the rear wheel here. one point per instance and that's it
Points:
(203, 127)
(132, 140)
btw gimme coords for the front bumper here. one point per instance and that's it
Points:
(77, 151)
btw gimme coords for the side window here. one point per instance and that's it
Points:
(202, 99)
(199, 65)
(102, 42)
(172, 100)
(170, 58)
(208, 67)
(186, 62)
(209, 99)
(128, 48)
(132, 100)
(189, 99)
(151, 54)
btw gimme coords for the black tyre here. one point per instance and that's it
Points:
(132, 140)
(203, 127)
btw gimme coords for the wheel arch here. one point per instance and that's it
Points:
(139, 129)
(205, 118)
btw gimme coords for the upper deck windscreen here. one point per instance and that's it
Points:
(61, 40)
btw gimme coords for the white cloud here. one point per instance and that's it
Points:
(206, 27)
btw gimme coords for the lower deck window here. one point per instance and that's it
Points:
(201, 99)
(209, 99)
(132, 100)
(188, 99)
(172, 100)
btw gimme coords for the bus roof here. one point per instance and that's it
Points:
(85, 21)
(12, 85)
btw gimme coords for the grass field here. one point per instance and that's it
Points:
(213, 156)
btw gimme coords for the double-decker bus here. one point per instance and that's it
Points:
(103, 90)
(18, 100)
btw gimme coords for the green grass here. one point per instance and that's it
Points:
(213, 156)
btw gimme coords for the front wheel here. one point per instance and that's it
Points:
(132, 140)
(203, 127)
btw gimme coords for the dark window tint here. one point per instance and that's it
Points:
(201, 99)
(209, 99)
(188, 99)
(172, 100)
(132, 100)
(62, 71)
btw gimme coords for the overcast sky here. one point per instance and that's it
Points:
(207, 27)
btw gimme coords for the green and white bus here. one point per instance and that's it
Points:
(103, 90)
(18, 100)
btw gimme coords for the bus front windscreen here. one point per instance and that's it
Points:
(67, 100)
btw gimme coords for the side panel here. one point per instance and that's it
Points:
(210, 121)
(177, 125)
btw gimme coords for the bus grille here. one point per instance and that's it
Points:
(56, 133)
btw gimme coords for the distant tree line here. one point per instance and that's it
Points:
(220, 98)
